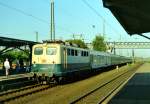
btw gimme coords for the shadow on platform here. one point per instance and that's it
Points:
(136, 91)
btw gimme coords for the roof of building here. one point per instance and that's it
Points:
(10, 42)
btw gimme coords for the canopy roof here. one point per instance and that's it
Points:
(10, 42)
(133, 15)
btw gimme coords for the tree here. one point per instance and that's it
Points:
(15, 54)
(78, 42)
(99, 44)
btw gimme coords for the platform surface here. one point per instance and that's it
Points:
(11, 77)
(137, 90)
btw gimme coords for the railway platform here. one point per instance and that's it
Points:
(10, 77)
(14, 71)
(136, 90)
(13, 78)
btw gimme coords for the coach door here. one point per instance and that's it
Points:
(65, 58)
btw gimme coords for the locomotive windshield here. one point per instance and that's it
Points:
(51, 51)
(38, 51)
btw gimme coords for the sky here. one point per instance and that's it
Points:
(20, 19)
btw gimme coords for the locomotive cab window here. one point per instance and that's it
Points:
(51, 51)
(38, 51)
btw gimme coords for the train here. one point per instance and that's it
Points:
(55, 61)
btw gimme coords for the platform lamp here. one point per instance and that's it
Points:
(37, 36)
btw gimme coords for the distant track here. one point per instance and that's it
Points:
(118, 79)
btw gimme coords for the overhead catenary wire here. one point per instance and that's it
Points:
(9, 34)
(67, 13)
(96, 12)
(46, 22)
(23, 12)
(45, 1)
(99, 15)
(30, 15)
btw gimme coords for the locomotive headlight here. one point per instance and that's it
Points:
(34, 65)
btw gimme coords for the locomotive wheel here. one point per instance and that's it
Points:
(48, 81)
(61, 80)
(38, 79)
(51, 81)
(55, 82)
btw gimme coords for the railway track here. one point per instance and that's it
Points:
(15, 94)
(102, 92)
(5, 87)
(90, 91)
(17, 90)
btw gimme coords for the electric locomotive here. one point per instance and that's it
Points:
(54, 61)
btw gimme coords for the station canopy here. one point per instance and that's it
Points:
(133, 15)
(10, 42)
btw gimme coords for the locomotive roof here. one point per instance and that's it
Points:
(61, 42)
(54, 41)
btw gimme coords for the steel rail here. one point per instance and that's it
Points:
(90, 92)
(113, 90)
(16, 95)
(16, 83)
(18, 90)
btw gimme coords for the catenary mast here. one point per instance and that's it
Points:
(52, 30)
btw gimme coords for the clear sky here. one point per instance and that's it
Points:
(22, 18)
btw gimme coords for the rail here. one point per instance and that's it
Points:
(5, 97)
(125, 75)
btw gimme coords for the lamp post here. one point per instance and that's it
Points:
(104, 28)
(37, 35)
(133, 56)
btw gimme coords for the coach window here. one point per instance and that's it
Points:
(84, 53)
(76, 53)
(38, 51)
(68, 51)
(51, 51)
(72, 52)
